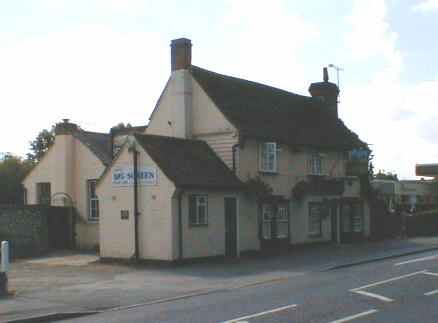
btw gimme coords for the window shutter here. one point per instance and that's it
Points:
(192, 209)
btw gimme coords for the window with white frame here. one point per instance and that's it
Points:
(282, 222)
(268, 157)
(198, 210)
(315, 164)
(93, 201)
(315, 219)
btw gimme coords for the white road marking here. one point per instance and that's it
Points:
(356, 316)
(389, 280)
(416, 260)
(236, 320)
(431, 274)
(431, 293)
(373, 295)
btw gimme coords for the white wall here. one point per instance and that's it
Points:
(155, 222)
(67, 166)
(204, 241)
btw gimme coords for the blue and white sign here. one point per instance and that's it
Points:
(124, 176)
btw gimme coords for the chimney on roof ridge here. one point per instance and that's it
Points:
(65, 127)
(180, 54)
(328, 91)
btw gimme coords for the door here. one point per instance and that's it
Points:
(275, 225)
(230, 226)
(334, 224)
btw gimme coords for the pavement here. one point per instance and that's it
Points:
(79, 283)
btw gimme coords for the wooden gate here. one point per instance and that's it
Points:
(61, 228)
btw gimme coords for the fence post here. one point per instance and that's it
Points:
(4, 268)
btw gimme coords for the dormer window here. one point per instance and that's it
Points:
(315, 164)
(268, 157)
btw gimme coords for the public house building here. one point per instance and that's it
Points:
(225, 166)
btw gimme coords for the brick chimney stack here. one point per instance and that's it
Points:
(181, 54)
(65, 127)
(328, 91)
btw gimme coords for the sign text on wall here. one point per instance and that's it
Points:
(124, 176)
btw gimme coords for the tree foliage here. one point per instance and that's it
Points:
(382, 174)
(121, 126)
(40, 145)
(12, 171)
(258, 188)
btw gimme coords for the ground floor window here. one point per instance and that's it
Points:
(198, 210)
(352, 217)
(315, 219)
(43, 193)
(93, 201)
(282, 222)
(275, 221)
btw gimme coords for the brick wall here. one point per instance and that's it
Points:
(26, 229)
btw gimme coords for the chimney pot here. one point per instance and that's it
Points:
(325, 75)
(181, 54)
(65, 127)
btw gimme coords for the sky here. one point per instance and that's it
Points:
(101, 62)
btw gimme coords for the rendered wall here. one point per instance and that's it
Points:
(87, 166)
(67, 166)
(292, 166)
(209, 240)
(155, 223)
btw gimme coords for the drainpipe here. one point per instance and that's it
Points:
(112, 142)
(135, 164)
(234, 149)
(180, 226)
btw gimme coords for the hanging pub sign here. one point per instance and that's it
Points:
(358, 162)
(124, 176)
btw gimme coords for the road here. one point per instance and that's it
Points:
(397, 290)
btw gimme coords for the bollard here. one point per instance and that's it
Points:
(5, 257)
(4, 269)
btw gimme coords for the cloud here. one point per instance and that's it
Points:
(90, 74)
(266, 39)
(396, 118)
(426, 6)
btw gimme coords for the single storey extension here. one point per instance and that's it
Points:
(187, 200)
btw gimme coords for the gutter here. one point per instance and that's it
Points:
(180, 226)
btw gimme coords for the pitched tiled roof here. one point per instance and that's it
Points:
(98, 143)
(269, 113)
(426, 170)
(189, 163)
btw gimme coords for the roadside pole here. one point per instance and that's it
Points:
(4, 269)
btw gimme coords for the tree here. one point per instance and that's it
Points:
(258, 188)
(121, 126)
(382, 174)
(40, 145)
(12, 171)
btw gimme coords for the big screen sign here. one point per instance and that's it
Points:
(124, 176)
